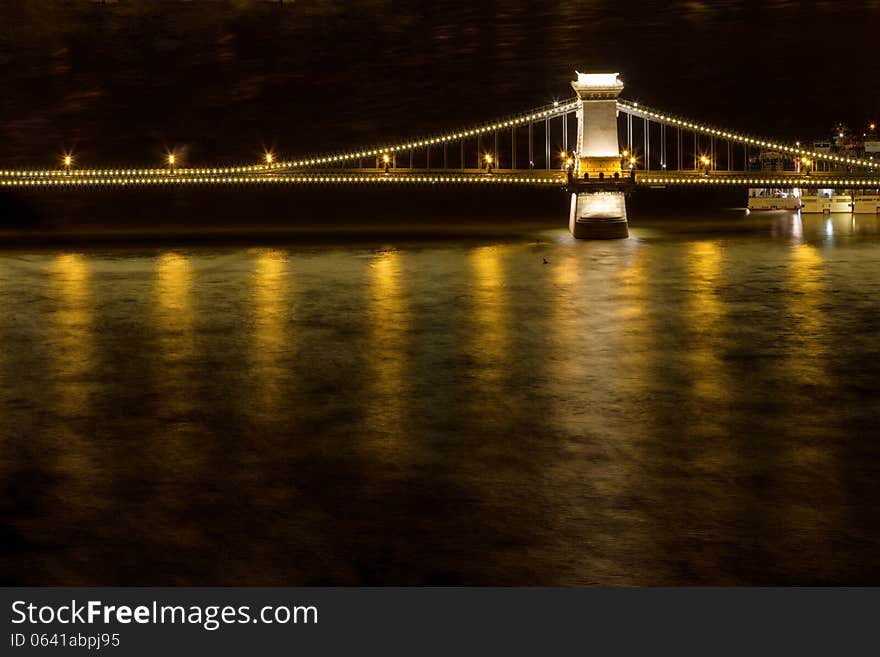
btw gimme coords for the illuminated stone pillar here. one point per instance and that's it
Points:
(597, 144)
(598, 204)
(598, 215)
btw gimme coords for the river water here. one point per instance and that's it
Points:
(694, 405)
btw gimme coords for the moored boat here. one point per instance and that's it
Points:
(866, 204)
(826, 202)
(774, 199)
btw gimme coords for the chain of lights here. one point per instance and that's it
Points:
(543, 113)
(679, 122)
(802, 181)
(480, 178)
(142, 173)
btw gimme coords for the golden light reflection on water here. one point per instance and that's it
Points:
(73, 451)
(807, 352)
(704, 316)
(810, 438)
(177, 449)
(490, 316)
(565, 271)
(629, 366)
(711, 445)
(271, 343)
(173, 324)
(389, 321)
(633, 341)
(807, 356)
(570, 364)
(72, 337)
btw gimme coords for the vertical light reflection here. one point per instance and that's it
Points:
(809, 525)
(710, 446)
(72, 337)
(705, 322)
(569, 365)
(829, 229)
(630, 367)
(633, 337)
(173, 322)
(271, 342)
(632, 311)
(807, 353)
(601, 339)
(797, 227)
(179, 455)
(72, 450)
(490, 317)
(389, 325)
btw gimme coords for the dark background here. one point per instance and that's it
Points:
(220, 80)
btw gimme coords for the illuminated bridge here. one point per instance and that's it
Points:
(595, 145)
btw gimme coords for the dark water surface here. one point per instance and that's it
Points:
(695, 405)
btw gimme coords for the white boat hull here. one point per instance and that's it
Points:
(866, 205)
(821, 204)
(757, 204)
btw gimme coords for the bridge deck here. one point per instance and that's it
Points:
(520, 177)
(158, 177)
(757, 179)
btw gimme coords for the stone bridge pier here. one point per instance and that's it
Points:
(598, 201)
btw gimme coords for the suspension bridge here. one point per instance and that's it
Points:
(595, 145)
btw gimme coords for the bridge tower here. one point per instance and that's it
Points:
(598, 206)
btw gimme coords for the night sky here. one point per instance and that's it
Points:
(219, 81)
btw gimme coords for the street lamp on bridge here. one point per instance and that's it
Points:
(488, 158)
(628, 160)
(706, 163)
(568, 160)
(68, 162)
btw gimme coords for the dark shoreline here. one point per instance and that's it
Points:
(269, 215)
